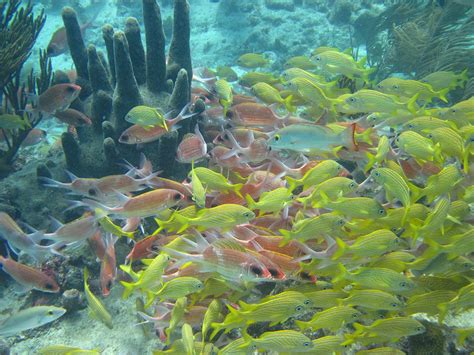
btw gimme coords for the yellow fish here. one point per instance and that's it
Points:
(96, 308)
(252, 60)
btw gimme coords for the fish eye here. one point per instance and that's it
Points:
(306, 343)
(50, 313)
(341, 222)
(453, 110)
(125, 138)
(177, 197)
(429, 135)
(92, 192)
(317, 58)
(70, 89)
(273, 272)
(352, 185)
(298, 308)
(247, 215)
(394, 305)
(276, 138)
(355, 315)
(394, 229)
(410, 125)
(109, 285)
(403, 284)
(376, 174)
(199, 285)
(396, 87)
(256, 270)
(420, 329)
(306, 302)
(229, 114)
(49, 286)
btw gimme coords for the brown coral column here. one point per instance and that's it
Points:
(127, 94)
(155, 47)
(137, 52)
(180, 51)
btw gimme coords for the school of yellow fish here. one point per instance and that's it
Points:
(327, 214)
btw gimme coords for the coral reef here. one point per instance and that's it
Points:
(420, 37)
(140, 78)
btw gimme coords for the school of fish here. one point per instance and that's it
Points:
(324, 207)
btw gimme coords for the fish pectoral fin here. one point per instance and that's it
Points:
(20, 289)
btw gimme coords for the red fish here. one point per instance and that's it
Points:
(57, 98)
(73, 117)
(143, 248)
(96, 243)
(193, 147)
(144, 205)
(28, 277)
(108, 267)
(137, 134)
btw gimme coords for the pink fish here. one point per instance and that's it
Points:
(144, 205)
(19, 241)
(57, 98)
(34, 137)
(257, 151)
(193, 147)
(73, 117)
(28, 277)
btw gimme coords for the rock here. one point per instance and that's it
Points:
(72, 300)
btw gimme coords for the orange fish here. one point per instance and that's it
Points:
(250, 114)
(28, 277)
(137, 134)
(73, 117)
(193, 147)
(57, 98)
(108, 267)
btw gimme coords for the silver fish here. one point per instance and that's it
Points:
(30, 318)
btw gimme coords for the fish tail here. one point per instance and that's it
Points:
(463, 77)
(341, 275)
(365, 136)
(370, 163)
(292, 183)
(150, 298)
(286, 234)
(236, 188)
(438, 155)
(341, 250)
(128, 289)
(442, 95)
(465, 161)
(411, 104)
(181, 220)
(288, 104)
(217, 327)
(443, 311)
(359, 328)
(250, 202)
(416, 192)
(366, 74)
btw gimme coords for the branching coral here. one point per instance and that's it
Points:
(19, 28)
(420, 37)
(16, 102)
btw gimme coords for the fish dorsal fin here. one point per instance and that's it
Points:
(229, 244)
(55, 224)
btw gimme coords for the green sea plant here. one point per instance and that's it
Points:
(420, 37)
(19, 28)
(15, 105)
